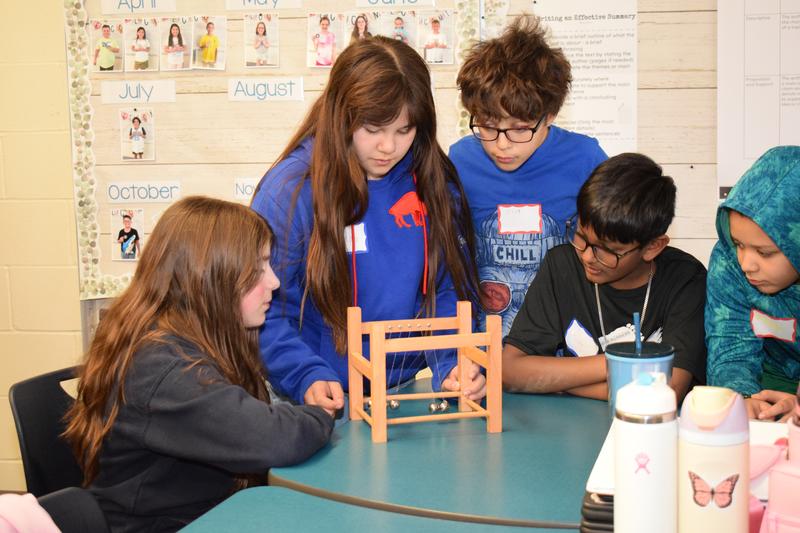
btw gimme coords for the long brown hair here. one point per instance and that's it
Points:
(201, 258)
(369, 83)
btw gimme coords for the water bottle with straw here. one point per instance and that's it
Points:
(626, 360)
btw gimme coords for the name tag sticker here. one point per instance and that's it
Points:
(766, 326)
(579, 341)
(361, 238)
(519, 218)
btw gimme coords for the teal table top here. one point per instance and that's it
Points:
(533, 473)
(278, 509)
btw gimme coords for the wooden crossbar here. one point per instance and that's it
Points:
(415, 324)
(465, 341)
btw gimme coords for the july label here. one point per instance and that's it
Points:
(141, 92)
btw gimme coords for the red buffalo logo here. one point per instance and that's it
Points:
(408, 204)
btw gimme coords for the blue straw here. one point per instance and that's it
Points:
(638, 332)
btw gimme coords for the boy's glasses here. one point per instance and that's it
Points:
(607, 258)
(514, 135)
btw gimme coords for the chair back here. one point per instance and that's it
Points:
(75, 510)
(38, 405)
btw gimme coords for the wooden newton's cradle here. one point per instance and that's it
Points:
(374, 368)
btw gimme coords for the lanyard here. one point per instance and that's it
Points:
(644, 307)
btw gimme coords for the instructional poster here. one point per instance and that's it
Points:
(758, 82)
(599, 39)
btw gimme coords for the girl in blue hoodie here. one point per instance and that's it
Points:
(753, 296)
(367, 211)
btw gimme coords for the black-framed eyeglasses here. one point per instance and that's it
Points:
(607, 258)
(514, 135)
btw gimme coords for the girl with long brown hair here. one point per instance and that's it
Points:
(367, 211)
(172, 412)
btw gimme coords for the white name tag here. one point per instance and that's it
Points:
(765, 326)
(519, 218)
(579, 340)
(360, 238)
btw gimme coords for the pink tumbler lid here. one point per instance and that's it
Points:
(714, 416)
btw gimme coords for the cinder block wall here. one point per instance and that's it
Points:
(39, 306)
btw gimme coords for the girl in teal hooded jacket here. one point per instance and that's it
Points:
(753, 295)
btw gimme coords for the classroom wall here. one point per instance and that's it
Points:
(39, 309)
(39, 306)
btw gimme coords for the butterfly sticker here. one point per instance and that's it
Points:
(722, 494)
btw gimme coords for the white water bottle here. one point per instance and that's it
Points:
(713, 462)
(645, 456)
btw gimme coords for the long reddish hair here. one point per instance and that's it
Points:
(369, 83)
(202, 257)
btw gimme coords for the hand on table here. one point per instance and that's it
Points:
(326, 394)
(474, 388)
(771, 404)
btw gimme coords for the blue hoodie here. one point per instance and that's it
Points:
(769, 194)
(298, 351)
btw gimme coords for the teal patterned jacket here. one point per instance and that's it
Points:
(745, 328)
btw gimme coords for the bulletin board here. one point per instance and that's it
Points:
(170, 98)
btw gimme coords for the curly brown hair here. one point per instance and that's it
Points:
(517, 74)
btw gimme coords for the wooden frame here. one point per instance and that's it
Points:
(374, 369)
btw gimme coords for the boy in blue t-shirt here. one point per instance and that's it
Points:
(521, 173)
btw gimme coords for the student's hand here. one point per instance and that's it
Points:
(778, 404)
(755, 407)
(474, 388)
(326, 394)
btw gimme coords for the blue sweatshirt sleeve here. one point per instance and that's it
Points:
(735, 354)
(292, 363)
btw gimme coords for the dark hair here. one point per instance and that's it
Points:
(126, 216)
(144, 31)
(369, 83)
(324, 17)
(136, 118)
(517, 74)
(105, 26)
(170, 42)
(627, 199)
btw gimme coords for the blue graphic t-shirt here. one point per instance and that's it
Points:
(520, 215)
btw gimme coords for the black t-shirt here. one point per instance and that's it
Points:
(559, 315)
(126, 240)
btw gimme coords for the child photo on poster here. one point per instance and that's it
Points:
(210, 42)
(176, 43)
(137, 134)
(360, 26)
(261, 43)
(107, 42)
(126, 232)
(435, 37)
(399, 25)
(141, 44)
(325, 38)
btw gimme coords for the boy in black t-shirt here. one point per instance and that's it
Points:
(128, 239)
(586, 292)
